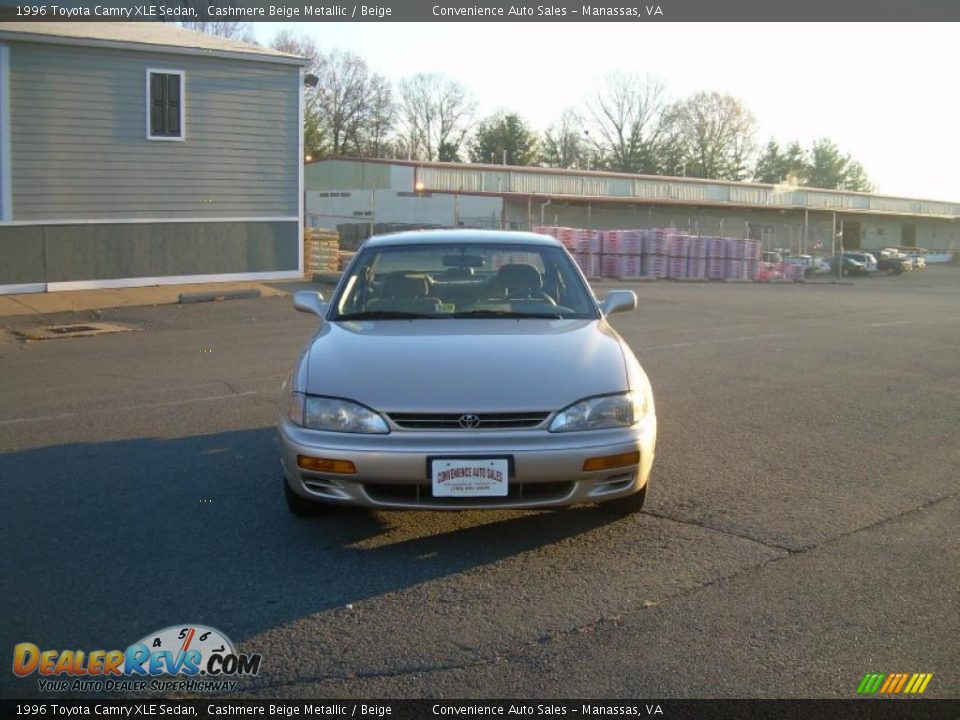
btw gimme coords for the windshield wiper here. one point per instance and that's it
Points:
(385, 315)
(489, 313)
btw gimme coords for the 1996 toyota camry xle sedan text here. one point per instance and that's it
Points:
(465, 369)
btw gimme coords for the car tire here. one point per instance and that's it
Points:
(301, 506)
(621, 507)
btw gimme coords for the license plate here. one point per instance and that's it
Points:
(470, 478)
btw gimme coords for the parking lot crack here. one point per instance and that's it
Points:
(713, 528)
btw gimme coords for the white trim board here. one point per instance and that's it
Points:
(300, 188)
(23, 289)
(151, 221)
(171, 280)
(6, 196)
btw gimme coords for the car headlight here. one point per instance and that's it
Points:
(598, 413)
(334, 415)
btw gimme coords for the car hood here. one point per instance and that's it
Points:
(466, 365)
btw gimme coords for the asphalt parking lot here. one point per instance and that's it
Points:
(801, 526)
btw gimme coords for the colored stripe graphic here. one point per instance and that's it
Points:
(889, 683)
(870, 683)
(894, 683)
(900, 684)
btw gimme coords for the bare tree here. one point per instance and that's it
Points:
(314, 132)
(628, 117)
(563, 142)
(351, 110)
(242, 31)
(380, 118)
(717, 133)
(435, 114)
(343, 95)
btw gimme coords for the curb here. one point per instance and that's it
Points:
(187, 298)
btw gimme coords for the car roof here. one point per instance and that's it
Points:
(470, 237)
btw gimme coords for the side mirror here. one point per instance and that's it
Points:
(310, 301)
(619, 301)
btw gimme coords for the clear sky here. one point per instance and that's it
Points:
(885, 93)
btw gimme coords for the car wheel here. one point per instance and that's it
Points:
(301, 506)
(621, 507)
(845, 273)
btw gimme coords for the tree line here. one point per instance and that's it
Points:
(628, 125)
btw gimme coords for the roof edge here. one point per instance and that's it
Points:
(622, 175)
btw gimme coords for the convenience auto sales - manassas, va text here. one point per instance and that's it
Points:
(587, 11)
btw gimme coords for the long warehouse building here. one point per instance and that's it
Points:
(362, 197)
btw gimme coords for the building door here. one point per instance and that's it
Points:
(851, 235)
(908, 237)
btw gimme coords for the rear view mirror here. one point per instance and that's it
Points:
(473, 261)
(619, 301)
(310, 301)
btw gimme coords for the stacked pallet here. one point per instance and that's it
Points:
(321, 250)
(570, 238)
(624, 242)
(662, 252)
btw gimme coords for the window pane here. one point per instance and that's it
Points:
(157, 126)
(157, 87)
(173, 89)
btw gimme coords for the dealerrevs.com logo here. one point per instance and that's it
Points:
(188, 658)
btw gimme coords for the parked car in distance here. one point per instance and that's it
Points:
(892, 262)
(849, 266)
(812, 265)
(502, 387)
(771, 267)
(916, 254)
(868, 260)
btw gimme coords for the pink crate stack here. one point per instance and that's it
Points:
(657, 242)
(736, 269)
(655, 266)
(676, 267)
(589, 264)
(716, 268)
(697, 267)
(677, 245)
(716, 248)
(623, 242)
(697, 247)
(568, 237)
(622, 266)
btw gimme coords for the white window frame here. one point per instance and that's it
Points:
(183, 105)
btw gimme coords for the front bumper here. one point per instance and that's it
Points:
(393, 471)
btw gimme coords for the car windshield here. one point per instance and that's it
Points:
(463, 280)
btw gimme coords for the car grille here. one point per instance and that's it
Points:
(452, 421)
(421, 494)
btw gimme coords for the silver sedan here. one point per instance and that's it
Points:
(466, 369)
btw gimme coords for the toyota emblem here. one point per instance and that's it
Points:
(469, 422)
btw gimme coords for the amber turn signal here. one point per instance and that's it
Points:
(608, 462)
(344, 467)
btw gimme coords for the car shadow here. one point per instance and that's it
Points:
(105, 542)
